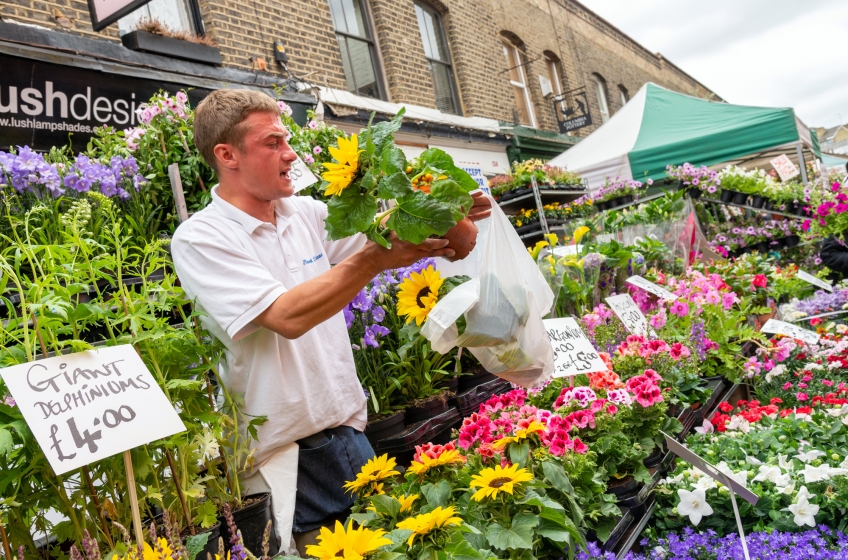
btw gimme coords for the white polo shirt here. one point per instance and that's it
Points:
(236, 266)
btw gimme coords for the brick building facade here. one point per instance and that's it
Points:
(585, 50)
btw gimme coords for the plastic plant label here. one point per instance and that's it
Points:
(809, 278)
(91, 405)
(784, 167)
(301, 176)
(630, 314)
(774, 326)
(650, 287)
(573, 351)
(565, 250)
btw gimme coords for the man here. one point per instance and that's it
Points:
(257, 261)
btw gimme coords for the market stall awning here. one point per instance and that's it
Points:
(658, 127)
(833, 161)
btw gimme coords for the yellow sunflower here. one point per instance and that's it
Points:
(425, 463)
(418, 294)
(534, 427)
(406, 502)
(425, 523)
(375, 470)
(340, 173)
(491, 481)
(350, 544)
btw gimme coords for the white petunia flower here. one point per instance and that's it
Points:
(810, 455)
(769, 473)
(694, 504)
(816, 474)
(804, 512)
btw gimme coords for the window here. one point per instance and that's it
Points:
(625, 97)
(359, 53)
(553, 73)
(514, 64)
(176, 15)
(438, 56)
(601, 94)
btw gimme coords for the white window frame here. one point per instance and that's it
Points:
(603, 106)
(523, 84)
(623, 95)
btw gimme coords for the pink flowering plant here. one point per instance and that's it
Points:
(702, 178)
(829, 206)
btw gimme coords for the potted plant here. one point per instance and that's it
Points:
(152, 36)
(695, 180)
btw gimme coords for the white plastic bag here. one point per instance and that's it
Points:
(503, 308)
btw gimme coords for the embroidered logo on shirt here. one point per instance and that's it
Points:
(313, 259)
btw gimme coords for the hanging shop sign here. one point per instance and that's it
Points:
(573, 351)
(572, 110)
(105, 12)
(90, 405)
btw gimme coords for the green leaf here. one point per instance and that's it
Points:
(195, 543)
(461, 549)
(381, 133)
(206, 515)
(437, 494)
(418, 216)
(377, 237)
(438, 158)
(519, 454)
(385, 505)
(6, 442)
(518, 536)
(555, 474)
(399, 536)
(395, 185)
(393, 161)
(350, 213)
(450, 192)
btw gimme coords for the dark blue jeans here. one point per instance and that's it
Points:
(326, 461)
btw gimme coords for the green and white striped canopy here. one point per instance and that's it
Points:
(658, 127)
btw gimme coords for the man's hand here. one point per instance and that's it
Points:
(403, 253)
(482, 207)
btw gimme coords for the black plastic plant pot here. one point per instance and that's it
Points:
(801, 210)
(727, 195)
(768, 204)
(626, 199)
(451, 384)
(740, 198)
(468, 402)
(623, 487)
(654, 459)
(763, 246)
(781, 243)
(477, 377)
(792, 241)
(757, 201)
(435, 430)
(176, 48)
(430, 408)
(211, 546)
(601, 206)
(694, 193)
(251, 521)
(789, 207)
(382, 428)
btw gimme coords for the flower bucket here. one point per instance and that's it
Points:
(381, 428)
(462, 238)
(623, 486)
(757, 201)
(251, 521)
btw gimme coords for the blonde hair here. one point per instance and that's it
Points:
(219, 119)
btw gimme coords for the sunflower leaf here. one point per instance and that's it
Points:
(418, 216)
(382, 133)
(555, 474)
(393, 161)
(437, 494)
(519, 453)
(439, 158)
(517, 536)
(195, 543)
(395, 185)
(450, 192)
(385, 505)
(350, 213)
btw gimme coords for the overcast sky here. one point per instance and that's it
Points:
(776, 53)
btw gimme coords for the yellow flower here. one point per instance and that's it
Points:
(373, 471)
(406, 502)
(491, 481)
(341, 174)
(350, 544)
(535, 427)
(424, 523)
(418, 294)
(534, 252)
(579, 233)
(162, 552)
(552, 239)
(426, 463)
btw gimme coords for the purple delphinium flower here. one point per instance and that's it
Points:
(699, 338)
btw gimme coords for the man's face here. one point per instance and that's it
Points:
(266, 158)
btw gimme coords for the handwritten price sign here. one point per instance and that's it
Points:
(652, 288)
(301, 176)
(626, 309)
(774, 326)
(784, 167)
(573, 351)
(809, 278)
(91, 405)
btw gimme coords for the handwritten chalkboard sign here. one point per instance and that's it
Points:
(630, 314)
(91, 405)
(573, 351)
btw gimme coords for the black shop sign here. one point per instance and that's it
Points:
(572, 110)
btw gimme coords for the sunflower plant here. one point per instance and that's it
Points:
(419, 199)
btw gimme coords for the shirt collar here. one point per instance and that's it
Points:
(282, 207)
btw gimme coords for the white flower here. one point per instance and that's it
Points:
(783, 480)
(705, 483)
(674, 480)
(844, 464)
(803, 493)
(812, 366)
(753, 460)
(804, 511)
(776, 371)
(769, 473)
(739, 423)
(788, 489)
(816, 474)
(785, 464)
(845, 420)
(836, 471)
(706, 428)
(843, 410)
(810, 455)
(841, 329)
(694, 504)
(834, 365)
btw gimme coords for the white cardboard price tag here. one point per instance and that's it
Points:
(91, 405)
(774, 326)
(630, 314)
(650, 287)
(809, 278)
(573, 351)
(784, 167)
(301, 176)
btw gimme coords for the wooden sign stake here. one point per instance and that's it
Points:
(136, 514)
(177, 188)
(6, 548)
